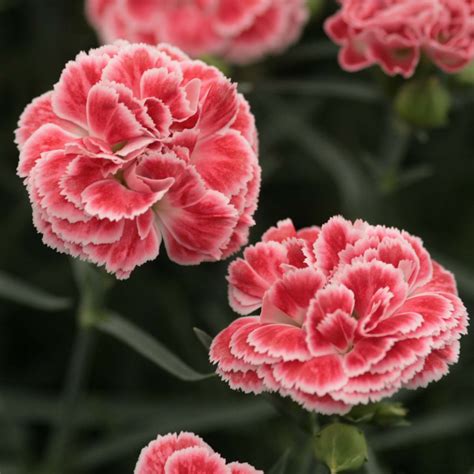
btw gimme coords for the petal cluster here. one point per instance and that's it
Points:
(240, 31)
(138, 144)
(349, 314)
(186, 453)
(394, 34)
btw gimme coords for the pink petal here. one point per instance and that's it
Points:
(248, 381)
(50, 238)
(233, 16)
(320, 375)
(219, 108)
(145, 223)
(402, 354)
(326, 405)
(338, 329)
(327, 301)
(49, 137)
(187, 26)
(249, 278)
(129, 252)
(165, 86)
(283, 230)
(160, 114)
(291, 295)
(70, 93)
(434, 368)
(366, 353)
(153, 457)
(386, 53)
(335, 235)
(378, 289)
(434, 308)
(199, 231)
(109, 119)
(220, 348)
(262, 36)
(37, 114)
(143, 10)
(128, 67)
(242, 468)
(198, 460)
(336, 28)
(401, 255)
(46, 176)
(280, 341)
(244, 123)
(397, 324)
(426, 265)
(81, 173)
(225, 162)
(108, 199)
(94, 231)
(442, 280)
(196, 223)
(240, 347)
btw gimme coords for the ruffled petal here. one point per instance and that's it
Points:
(225, 162)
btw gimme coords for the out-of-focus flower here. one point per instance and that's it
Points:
(136, 144)
(240, 31)
(394, 34)
(349, 314)
(186, 453)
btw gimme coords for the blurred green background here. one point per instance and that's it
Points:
(329, 145)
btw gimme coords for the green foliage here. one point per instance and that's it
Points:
(150, 348)
(203, 338)
(382, 413)
(281, 465)
(466, 76)
(424, 103)
(341, 447)
(13, 289)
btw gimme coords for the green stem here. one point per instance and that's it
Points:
(63, 434)
(91, 310)
(394, 149)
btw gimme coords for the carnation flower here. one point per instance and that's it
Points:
(186, 453)
(394, 33)
(349, 314)
(239, 31)
(136, 144)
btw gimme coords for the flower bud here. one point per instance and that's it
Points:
(423, 103)
(382, 413)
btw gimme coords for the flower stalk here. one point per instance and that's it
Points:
(91, 310)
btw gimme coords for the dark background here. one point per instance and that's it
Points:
(328, 146)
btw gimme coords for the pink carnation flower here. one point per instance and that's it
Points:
(136, 144)
(186, 453)
(394, 33)
(349, 314)
(240, 31)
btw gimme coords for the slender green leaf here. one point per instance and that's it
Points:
(281, 465)
(431, 427)
(324, 88)
(15, 290)
(372, 465)
(353, 184)
(149, 347)
(203, 337)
